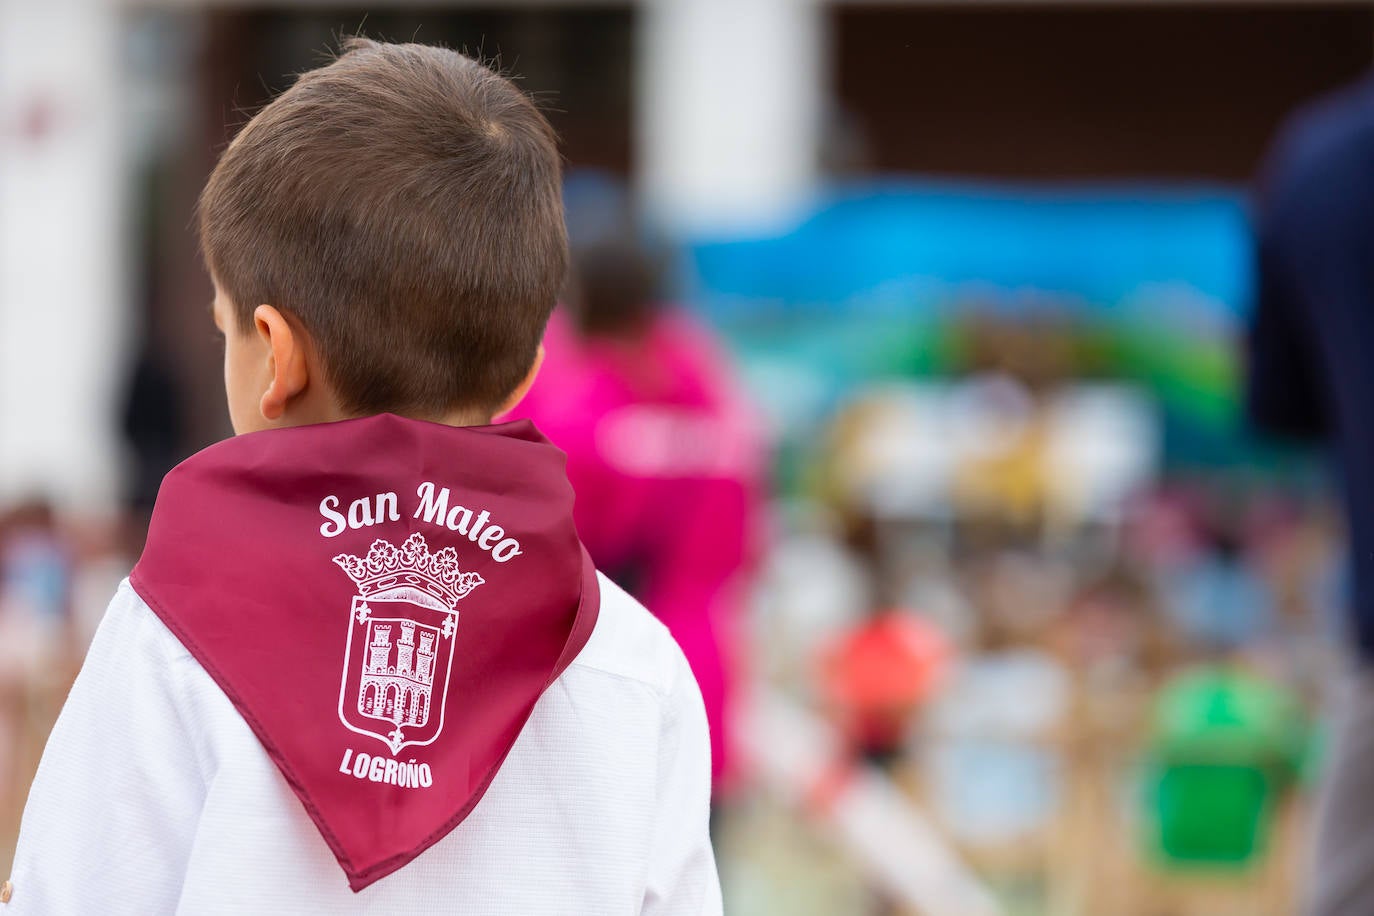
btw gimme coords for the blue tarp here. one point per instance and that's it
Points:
(905, 244)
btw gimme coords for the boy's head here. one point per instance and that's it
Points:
(385, 236)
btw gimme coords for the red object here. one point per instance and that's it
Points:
(383, 600)
(876, 675)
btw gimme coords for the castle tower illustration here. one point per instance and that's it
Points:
(405, 649)
(403, 620)
(398, 691)
(380, 650)
(424, 663)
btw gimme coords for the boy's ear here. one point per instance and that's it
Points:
(287, 370)
(522, 389)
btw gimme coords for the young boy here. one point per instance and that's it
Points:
(364, 634)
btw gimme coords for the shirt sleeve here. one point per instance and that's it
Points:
(682, 878)
(113, 809)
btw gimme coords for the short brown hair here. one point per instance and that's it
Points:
(403, 204)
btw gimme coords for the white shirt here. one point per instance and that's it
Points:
(153, 796)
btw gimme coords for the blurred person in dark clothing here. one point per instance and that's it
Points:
(153, 429)
(1312, 375)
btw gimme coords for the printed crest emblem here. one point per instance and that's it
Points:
(399, 651)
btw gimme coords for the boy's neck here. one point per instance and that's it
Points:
(457, 418)
(333, 413)
(451, 418)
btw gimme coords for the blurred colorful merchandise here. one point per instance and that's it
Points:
(1224, 749)
(987, 450)
(38, 644)
(1219, 602)
(667, 461)
(1108, 629)
(36, 580)
(993, 771)
(875, 677)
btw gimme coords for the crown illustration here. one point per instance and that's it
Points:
(388, 569)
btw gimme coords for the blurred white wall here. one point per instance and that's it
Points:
(63, 324)
(728, 111)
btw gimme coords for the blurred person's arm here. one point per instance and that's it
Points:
(112, 813)
(682, 878)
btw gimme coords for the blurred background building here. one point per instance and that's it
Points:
(1031, 624)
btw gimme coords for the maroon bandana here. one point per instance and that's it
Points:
(383, 600)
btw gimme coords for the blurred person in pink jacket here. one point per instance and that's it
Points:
(665, 457)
